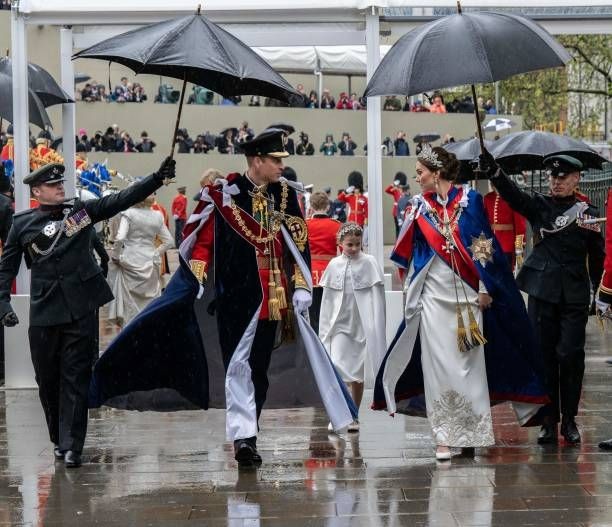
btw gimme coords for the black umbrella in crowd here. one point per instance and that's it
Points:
(36, 109)
(193, 49)
(526, 150)
(40, 82)
(465, 48)
(426, 137)
(81, 77)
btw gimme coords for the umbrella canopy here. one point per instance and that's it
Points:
(426, 137)
(465, 48)
(193, 49)
(40, 82)
(499, 124)
(526, 150)
(467, 150)
(81, 77)
(37, 112)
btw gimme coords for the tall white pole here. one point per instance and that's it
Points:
(20, 123)
(68, 110)
(375, 203)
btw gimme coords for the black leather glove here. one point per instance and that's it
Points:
(487, 164)
(10, 319)
(167, 170)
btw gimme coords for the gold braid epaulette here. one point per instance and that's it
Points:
(276, 220)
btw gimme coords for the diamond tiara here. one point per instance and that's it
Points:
(427, 154)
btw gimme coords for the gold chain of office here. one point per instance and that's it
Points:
(275, 223)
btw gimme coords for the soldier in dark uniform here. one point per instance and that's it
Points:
(567, 259)
(67, 287)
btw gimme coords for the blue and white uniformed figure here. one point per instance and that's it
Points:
(466, 342)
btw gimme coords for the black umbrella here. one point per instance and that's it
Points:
(526, 150)
(465, 48)
(37, 112)
(40, 82)
(467, 150)
(81, 77)
(193, 49)
(426, 137)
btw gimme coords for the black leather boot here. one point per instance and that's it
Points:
(245, 452)
(72, 459)
(548, 434)
(569, 430)
(57, 453)
(606, 445)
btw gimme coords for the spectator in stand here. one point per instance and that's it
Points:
(344, 103)
(138, 94)
(347, 146)
(210, 139)
(96, 142)
(400, 144)
(304, 147)
(304, 103)
(356, 102)
(453, 106)
(84, 142)
(247, 131)
(418, 107)
(313, 100)
(225, 143)
(87, 93)
(437, 106)
(387, 147)
(392, 104)
(184, 142)
(489, 107)
(109, 142)
(328, 147)
(125, 143)
(121, 93)
(200, 146)
(407, 106)
(179, 213)
(233, 100)
(327, 101)
(255, 100)
(146, 145)
(395, 191)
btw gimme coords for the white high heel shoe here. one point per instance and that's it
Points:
(443, 455)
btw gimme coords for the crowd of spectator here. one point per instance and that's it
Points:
(113, 140)
(124, 92)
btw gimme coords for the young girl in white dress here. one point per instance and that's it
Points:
(352, 320)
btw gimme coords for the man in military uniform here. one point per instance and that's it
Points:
(67, 287)
(556, 278)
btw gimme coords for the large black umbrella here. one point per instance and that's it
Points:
(193, 49)
(426, 137)
(40, 82)
(526, 150)
(465, 48)
(36, 109)
(467, 150)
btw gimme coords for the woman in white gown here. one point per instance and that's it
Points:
(134, 274)
(455, 275)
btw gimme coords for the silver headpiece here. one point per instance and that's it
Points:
(427, 154)
(349, 228)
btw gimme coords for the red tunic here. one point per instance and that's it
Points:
(396, 192)
(506, 223)
(8, 151)
(605, 289)
(179, 206)
(322, 238)
(358, 207)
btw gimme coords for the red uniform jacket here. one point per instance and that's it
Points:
(506, 223)
(322, 238)
(605, 289)
(358, 207)
(8, 151)
(396, 192)
(179, 206)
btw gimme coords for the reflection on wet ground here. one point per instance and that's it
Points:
(146, 469)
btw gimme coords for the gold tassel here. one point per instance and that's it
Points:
(478, 338)
(280, 290)
(273, 304)
(463, 342)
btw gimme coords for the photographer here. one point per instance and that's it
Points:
(184, 142)
(304, 147)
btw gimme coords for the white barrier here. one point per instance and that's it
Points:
(19, 372)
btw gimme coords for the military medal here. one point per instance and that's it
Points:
(482, 249)
(50, 229)
(76, 222)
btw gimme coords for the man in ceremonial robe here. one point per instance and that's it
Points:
(508, 226)
(567, 259)
(43, 154)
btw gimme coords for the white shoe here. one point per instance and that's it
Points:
(353, 427)
(443, 455)
(330, 427)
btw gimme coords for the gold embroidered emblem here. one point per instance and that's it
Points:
(298, 229)
(482, 249)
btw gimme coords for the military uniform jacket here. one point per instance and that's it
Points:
(66, 281)
(561, 263)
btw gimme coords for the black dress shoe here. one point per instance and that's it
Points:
(72, 459)
(548, 435)
(59, 454)
(569, 430)
(606, 445)
(245, 452)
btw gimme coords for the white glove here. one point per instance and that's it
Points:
(602, 306)
(175, 216)
(396, 183)
(350, 190)
(301, 300)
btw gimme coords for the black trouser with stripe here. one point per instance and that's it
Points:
(63, 357)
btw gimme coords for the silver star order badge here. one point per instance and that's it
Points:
(482, 249)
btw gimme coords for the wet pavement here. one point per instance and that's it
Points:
(171, 470)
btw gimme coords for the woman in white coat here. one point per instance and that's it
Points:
(134, 274)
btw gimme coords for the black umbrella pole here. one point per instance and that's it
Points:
(178, 116)
(477, 116)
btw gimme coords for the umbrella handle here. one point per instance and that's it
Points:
(178, 116)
